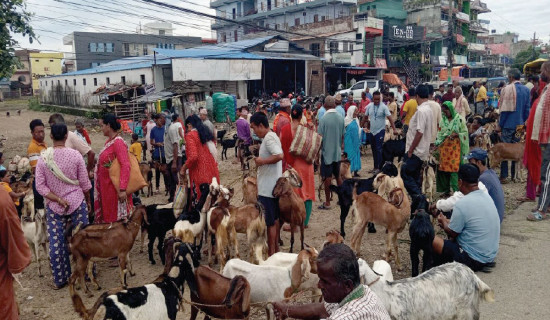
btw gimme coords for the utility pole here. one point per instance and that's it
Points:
(534, 42)
(451, 42)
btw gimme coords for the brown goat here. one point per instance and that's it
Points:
(221, 225)
(392, 214)
(147, 174)
(249, 220)
(231, 296)
(250, 190)
(292, 209)
(105, 241)
(333, 236)
(508, 151)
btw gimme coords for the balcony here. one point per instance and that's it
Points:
(479, 6)
(476, 26)
(218, 3)
(462, 17)
(415, 5)
(477, 47)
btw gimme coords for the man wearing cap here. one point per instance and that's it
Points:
(478, 157)
(283, 117)
(203, 114)
(474, 228)
(339, 109)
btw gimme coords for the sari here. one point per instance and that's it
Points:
(352, 139)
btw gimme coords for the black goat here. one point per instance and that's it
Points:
(229, 143)
(160, 219)
(392, 149)
(422, 236)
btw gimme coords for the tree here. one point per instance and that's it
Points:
(525, 56)
(14, 19)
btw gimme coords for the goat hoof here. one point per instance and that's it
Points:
(41, 275)
(152, 261)
(132, 274)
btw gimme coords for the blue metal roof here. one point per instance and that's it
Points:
(123, 64)
(208, 52)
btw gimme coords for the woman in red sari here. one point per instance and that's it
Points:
(200, 162)
(110, 205)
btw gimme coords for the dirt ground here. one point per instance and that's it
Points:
(37, 300)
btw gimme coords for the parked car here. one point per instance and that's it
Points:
(360, 87)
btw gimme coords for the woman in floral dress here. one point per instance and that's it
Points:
(110, 205)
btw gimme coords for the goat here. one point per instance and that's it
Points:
(508, 151)
(28, 205)
(381, 267)
(292, 209)
(105, 241)
(345, 197)
(160, 219)
(232, 295)
(12, 165)
(393, 148)
(393, 215)
(384, 184)
(229, 143)
(23, 165)
(428, 177)
(250, 189)
(333, 236)
(35, 234)
(159, 300)
(274, 283)
(345, 173)
(249, 220)
(447, 292)
(147, 174)
(422, 235)
(221, 225)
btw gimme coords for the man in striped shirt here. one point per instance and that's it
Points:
(36, 146)
(344, 296)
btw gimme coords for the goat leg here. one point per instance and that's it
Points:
(123, 270)
(150, 249)
(209, 240)
(302, 234)
(160, 248)
(357, 235)
(129, 262)
(91, 275)
(395, 248)
(414, 250)
(142, 238)
(292, 226)
(344, 211)
(235, 242)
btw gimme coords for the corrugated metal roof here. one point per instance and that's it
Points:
(123, 64)
(208, 52)
(285, 56)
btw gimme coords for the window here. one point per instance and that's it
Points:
(92, 47)
(142, 78)
(101, 47)
(234, 13)
(52, 83)
(236, 36)
(277, 26)
(46, 82)
(83, 82)
(36, 60)
(297, 21)
(94, 64)
(224, 37)
(345, 47)
(58, 82)
(109, 47)
(123, 79)
(74, 82)
(145, 50)
(66, 82)
(126, 49)
(162, 32)
(315, 49)
(95, 82)
(358, 86)
(316, 18)
(108, 81)
(47, 69)
(333, 46)
(323, 18)
(51, 60)
(358, 36)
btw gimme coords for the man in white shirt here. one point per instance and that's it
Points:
(461, 103)
(436, 113)
(400, 97)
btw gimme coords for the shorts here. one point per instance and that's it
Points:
(330, 170)
(453, 252)
(271, 212)
(159, 159)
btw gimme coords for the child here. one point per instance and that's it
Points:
(5, 178)
(135, 148)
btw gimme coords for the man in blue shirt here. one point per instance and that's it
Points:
(478, 157)
(157, 141)
(320, 110)
(377, 113)
(339, 108)
(512, 114)
(474, 228)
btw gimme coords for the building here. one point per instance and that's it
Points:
(92, 49)
(21, 79)
(44, 64)
(391, 11)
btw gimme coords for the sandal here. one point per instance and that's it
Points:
(525, 199)
(536, 216)
(323, 207)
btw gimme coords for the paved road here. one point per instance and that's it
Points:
(521, 278)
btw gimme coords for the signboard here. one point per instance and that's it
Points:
(341, 58)
(404, 33)
(458, 59)
(438, 60)
(374, 23)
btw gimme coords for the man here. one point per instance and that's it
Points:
(514, 111)
(367, 93)
(541, 133)
(409, 109)
(476, 130)
(531, 83)
(417, 144)
(320, 110)
(436, 113)
(283, 117)
(478, 157)
(449, 95)
(377, 113)
(535, 89)
(440, 92)
(203, 114)
(461, 103)
(364, 103)
(243, 133)
(339, 109)
(81, 132)
(350, 102)
(472, 93)
(331, 127)
(35, 148)
(157, 142)
(474, 228)
(400, 97)
(173, 155)
(270, 169)
(392, 106)
(344, 297)
(455, 84)
(481, 99)
(15, 255)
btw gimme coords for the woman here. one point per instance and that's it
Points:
(304, 169)
(352, 139)
(453, 144)
(62, 179)
(147, 131)
(200, 162)
(110, 205)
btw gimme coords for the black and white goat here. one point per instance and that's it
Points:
(447, 292)
(160, 219)
(152, 301)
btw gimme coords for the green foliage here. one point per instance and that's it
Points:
(525, 56)
(14, 19)
(34, 104)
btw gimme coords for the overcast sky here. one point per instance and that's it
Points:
(55, 18)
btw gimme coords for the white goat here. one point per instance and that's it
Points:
(23, 165)
(275, 283)
(449, 291)
(35, 234)
(28, 205)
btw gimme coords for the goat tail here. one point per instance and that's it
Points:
(79, 306)
(486, 293)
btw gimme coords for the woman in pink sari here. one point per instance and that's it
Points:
(110, 205)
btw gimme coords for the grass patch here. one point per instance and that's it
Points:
(35, 105)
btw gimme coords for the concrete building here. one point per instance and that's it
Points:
(92, 49)
(391, 11)
(21, 79)
(44, 64)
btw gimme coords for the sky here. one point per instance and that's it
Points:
(54, 19)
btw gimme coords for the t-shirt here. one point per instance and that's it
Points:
(481, 94)
(422, 122)
(75, 143)
(400, 97)
(341, 111)
(321, 112)
(410, 108)
(34, 150)
(436, 117)
(331, 127)
(243, 131)
(377, 115)
(393, 110)
(9, 190)
(171, 136)
(475, 219)
(136, 149)
(268, 174)
(157, 134)
(491, 181)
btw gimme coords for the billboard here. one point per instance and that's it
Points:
(404, 33)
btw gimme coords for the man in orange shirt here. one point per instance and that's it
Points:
(36, 146)
(283, 117)
(15, 255)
